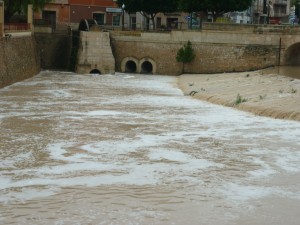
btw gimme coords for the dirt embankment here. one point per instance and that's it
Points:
(269, 95)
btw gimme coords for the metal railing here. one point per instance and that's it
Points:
(280, 2)
(279, 14)
(16, 26)
(42, 22)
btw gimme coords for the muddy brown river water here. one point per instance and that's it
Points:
(131, 149)
(290, 71)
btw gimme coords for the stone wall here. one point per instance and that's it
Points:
(18, 59)
(215, 51)
(251, 28)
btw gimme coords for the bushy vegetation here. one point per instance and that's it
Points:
(185, 54)
(150, 8)
(20, 6)
(239, 99)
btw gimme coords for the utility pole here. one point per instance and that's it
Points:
(265, 10)
(269, 4)
(123, 12)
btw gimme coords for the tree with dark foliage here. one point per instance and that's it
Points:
(149, 8)
(216, 7)
(11, 7)
(186, 54)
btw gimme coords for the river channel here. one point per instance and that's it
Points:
(132, 149)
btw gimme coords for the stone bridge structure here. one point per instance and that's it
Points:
(218, 48)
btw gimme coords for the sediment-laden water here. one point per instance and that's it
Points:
(131, 149)
(290, 71)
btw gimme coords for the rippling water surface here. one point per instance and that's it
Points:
(131, 149)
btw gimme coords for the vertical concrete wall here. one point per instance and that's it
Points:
(95, 53)
(18, 59)
(1, 19)
(54, 50)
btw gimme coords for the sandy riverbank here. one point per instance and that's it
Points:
(269, 95)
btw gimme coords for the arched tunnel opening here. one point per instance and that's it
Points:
(147, 67)
(292, 56)
(95, 71)
(130, 67)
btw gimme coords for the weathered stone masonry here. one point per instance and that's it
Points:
(18, 59)
(215, 51)
(147, 52)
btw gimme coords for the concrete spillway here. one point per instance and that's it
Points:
(95, 53)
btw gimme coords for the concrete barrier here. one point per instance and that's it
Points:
(1, 18)
(95, 53)
(18, 59)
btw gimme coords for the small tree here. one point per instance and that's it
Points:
(20, 6)
(185, 54)
(149, 8)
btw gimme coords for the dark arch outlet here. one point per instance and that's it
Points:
(95, 71)
(130, 67)
(292, 55)
(147, 67)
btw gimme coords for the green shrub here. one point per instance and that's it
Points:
(186, 54)
(239, 99)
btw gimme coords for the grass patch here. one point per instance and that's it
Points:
(262, 97)
(239, 99)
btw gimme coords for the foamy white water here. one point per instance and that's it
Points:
(131, 149)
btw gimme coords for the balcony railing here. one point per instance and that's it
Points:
(18, 27)
(280, 14)
(43, 22)
(280, 2)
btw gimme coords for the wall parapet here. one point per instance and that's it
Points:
(251, 28)
(206, 36)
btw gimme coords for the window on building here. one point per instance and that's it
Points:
(100, 18)
(116, 20)
(133, 23)
(49, 18)
(283, 10)
(172, 23)
(158, 22)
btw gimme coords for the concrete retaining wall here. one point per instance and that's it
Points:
(54, 50)
(215, 51)
(1, 18)
(95, 53)
(18, 59)
(251, 28)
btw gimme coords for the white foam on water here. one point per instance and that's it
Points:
(288, 160)
(165, 148)
(242, 193)
(265, 169)
(56, 93)
(186, 162)
(10, 162)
